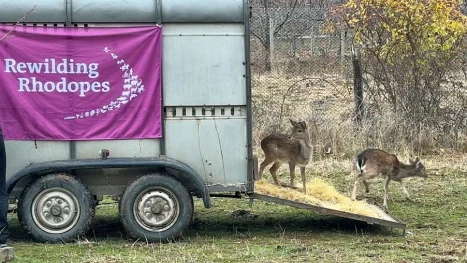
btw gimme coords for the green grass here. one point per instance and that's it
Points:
(436, 224)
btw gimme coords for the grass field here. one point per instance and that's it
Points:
(436, 230)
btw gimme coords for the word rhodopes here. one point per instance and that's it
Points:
(51, 66)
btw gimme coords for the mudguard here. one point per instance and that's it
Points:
(187, 173)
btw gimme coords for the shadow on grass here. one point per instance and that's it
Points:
(229, 220)
(299, 223)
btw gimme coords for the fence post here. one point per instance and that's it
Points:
(357, 85)
(271, 40)
(312, 38)
(342, 46)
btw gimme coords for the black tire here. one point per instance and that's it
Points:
(62, 193)
(191, 199)
(156, 208)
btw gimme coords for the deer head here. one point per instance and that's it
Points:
(299, 130)
(419, 168)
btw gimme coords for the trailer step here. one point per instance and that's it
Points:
(385, 220)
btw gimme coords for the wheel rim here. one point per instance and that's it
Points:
(156, 209)
(55, 210)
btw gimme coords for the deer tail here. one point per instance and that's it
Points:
(361, 164)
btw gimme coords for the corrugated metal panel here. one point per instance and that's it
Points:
(112, 11)
(202, 11)
(124, 11)
(118, 148)
(204, 64)
(215, 148)
(50, 11)
(203, 30)
(22, 153)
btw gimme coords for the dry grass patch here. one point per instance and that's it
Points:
(319, 193)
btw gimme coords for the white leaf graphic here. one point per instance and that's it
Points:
(132, 86)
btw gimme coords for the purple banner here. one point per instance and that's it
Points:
(65, 83)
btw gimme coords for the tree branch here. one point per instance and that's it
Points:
(9, 33)
(261, 40)
(286, 94)
(279, 27)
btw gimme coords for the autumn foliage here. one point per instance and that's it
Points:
(397, 28)
(412, 52)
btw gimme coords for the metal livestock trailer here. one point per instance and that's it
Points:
(205, 142)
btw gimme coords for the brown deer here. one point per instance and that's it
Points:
(374, 162)
(294, 149)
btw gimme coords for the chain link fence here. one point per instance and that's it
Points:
(293, 40)
(301, 69)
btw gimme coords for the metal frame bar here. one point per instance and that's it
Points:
(162, 144)
(215, 188)
(246, 20)
(69, 14)
(370, 220)
(159, 11)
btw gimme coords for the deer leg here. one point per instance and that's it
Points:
(355, 187)
(404, 190)
(263, 165)
(302, 172)
(386, 189)
(361, 177)
(367, 186)
(273, 171)
(292, 174)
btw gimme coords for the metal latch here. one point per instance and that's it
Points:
(104, 153)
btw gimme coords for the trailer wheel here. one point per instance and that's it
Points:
(156, 208)
(56, 208)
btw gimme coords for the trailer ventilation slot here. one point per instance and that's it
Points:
(205, 111)
(78, 24)
(36, 24)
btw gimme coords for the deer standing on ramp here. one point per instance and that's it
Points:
(374, 162)
(294, 149)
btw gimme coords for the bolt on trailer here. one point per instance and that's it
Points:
(146, 100)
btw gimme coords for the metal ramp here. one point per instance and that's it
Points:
(385, 220)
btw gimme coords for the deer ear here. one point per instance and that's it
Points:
(417, 159)
(417, 164)
(411, 160)
(304, 124)
(292, 122)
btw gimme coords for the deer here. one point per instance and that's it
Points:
(374, 162)
(294, 149)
